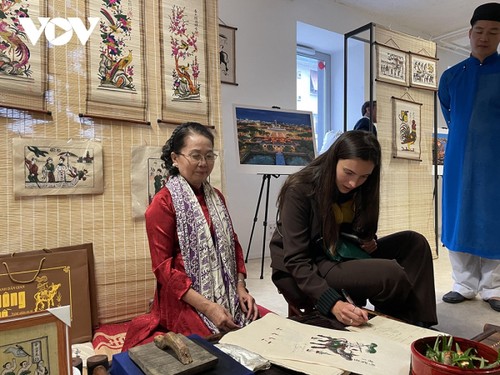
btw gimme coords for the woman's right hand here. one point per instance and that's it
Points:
(213, 311)
(349, 314)
(220, 317)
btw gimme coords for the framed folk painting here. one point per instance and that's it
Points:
(423, 72)
(227, 54)
(36, 343)
(391, 65)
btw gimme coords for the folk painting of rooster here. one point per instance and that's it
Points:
(407, 119)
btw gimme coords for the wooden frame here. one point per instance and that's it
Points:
(423, 72)
(227, 54)
(440, 146)
(34, 342)
(407, 128)
(392, 65)
(273, 141)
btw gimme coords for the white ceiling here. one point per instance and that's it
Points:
(444, 21)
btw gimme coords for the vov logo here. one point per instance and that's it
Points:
(49, 26)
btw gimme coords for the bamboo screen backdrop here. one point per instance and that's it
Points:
(407, 185)
(125, 282)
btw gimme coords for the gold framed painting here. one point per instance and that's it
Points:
(35, 343)
(227, 54)
(423, 72)
(392, 65)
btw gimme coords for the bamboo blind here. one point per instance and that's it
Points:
(125, 282)
(407, 186)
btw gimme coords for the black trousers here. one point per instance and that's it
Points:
(398, 280)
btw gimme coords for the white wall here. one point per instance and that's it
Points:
(265, 73)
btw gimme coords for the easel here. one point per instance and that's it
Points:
(265, 177)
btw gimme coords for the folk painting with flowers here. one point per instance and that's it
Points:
(189, 62)
(22, 63)
(116, 68)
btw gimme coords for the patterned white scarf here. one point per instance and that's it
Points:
(209, 262)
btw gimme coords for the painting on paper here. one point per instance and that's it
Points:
(227, 54)
(423, 72)
(392, 65)
(407, 128)
(23, 66)
(53, 167)
(149, 175)
(116, 67)
(35, 344)
(189, 69)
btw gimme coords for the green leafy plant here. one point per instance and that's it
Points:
(443, 352)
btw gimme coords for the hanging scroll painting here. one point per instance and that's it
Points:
(227, 54)
(391, 65)
(423, 72)
(56, 167)
(23, 68)
(149, 175)
(116, 66)
(189, 61)
(407, 129)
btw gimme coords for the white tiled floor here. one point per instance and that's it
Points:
(463, 320)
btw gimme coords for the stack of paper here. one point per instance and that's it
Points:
(317, 350)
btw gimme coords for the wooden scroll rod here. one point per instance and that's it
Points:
(81, 115)
(48, 113)
(175, 123)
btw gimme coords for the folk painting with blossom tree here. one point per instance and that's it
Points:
(189, 34)
(116, 76)
(21, 63)
(184, 49)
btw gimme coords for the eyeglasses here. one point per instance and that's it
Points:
(196, 158)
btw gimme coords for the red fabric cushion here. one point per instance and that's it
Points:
(108, 338)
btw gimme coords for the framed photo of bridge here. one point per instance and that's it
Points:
(227, 54)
